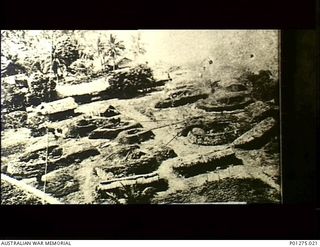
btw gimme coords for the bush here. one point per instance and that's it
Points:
(42, 89)
(35, 124)
(81, 66)
(264, 86)
(12, 65)
(14, 120)
(13, 94)
(67, 51)
(131, 81)
(14, 102)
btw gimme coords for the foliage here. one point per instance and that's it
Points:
(27, 51)
(14, 120)
(82, 66)
(12, 41)
(132, 194)
(67, 50)
(264, 86)
(42, 89)
(129, 82)
(12, 66)
(14, 101)
(137, 47)
(13, 94)
(35, 124)
(114, 48)
(18, 51)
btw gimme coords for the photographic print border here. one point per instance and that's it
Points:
(296, 218)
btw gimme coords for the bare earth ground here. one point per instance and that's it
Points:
(256, 180)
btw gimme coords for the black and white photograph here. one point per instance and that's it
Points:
(140, 117)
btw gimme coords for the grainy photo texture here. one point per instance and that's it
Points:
(140, 117)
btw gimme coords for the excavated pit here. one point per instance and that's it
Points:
(129, 160)
(135, 136)
(221, 130)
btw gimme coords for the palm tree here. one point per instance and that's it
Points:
(100, 51)
(114, 49)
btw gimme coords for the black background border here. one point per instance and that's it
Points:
(297, 218)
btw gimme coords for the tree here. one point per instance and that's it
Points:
(66, 50)
(137, 47)
(114, 49)
(101, 51)
(15, 49)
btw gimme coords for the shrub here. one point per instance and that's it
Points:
(14, 101)
(67, 51)
(81, 66)
(35, 124)
(129, 82)
(264, 86)
(13, 67)
(132, 194)
(16, 119)
(13, 93)
(42, 89)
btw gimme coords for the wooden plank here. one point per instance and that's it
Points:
(130, 178)
(128, 182)
(25, 187)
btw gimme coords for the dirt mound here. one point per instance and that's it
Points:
(111, 133)
(260, 110)
(258, 135)
(181, 96)
(215, 131)
(61, 182)
(196, 164)
(131, 160)
(33, 162)
(247, 190)
(11, 195)
(229, 103)
(110, 112)
(135, 136)
(236, 87)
